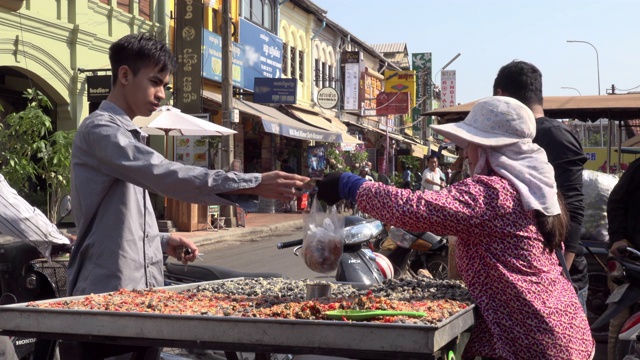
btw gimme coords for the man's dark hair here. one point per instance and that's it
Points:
(138, 51)
(521, 81)
(433, 156)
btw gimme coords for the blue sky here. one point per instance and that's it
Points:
(491, 33)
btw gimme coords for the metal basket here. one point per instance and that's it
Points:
(56, 272)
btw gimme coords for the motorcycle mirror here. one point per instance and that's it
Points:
(64, 207)
(402, 237)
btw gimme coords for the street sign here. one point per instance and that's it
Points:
(275, 91)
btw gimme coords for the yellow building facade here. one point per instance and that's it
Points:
(46, 44)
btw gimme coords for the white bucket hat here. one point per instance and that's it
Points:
(504, 129)
(493, 121)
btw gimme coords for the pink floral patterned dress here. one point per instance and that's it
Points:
(526, 308)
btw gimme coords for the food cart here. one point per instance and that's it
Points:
(364, 340)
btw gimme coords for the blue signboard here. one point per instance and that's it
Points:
(275, 91)
(212, 59)
(263, 53)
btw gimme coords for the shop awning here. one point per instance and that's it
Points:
(324, 124)
(332, 119)
(379, 131)
(278, 123)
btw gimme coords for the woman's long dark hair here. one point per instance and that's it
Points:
(553, 228)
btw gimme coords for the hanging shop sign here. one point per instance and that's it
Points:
(275, 91)
(212, 59)
(448, 88)
(188, 44)
(98, 87)
(401, 81)
(372, 86)
(262, 53)
(327, 98)
(351, 61)
(390, 103)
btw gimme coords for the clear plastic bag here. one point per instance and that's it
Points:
(322, 238)
(596, 187)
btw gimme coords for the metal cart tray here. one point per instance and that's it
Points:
(361, 339)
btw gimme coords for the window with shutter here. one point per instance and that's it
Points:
(300, 66)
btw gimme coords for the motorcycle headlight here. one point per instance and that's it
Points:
(362, 232)
(401, 237)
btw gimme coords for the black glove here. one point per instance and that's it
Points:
(328, 188)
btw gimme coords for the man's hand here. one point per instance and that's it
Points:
(177, 244)
(279, 185)
(614, 247)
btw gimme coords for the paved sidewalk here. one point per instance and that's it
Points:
(257, 224)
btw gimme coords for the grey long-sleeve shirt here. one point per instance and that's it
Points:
(119, 244)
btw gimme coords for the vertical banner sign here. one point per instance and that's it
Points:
(188, 44)
(421, 64)
(448, 88)
(351, 61)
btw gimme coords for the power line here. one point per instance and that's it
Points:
(633, 88)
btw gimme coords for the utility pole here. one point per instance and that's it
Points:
(227, 97)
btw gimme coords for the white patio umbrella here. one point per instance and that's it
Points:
(168, 120)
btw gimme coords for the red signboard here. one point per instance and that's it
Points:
(390, 103)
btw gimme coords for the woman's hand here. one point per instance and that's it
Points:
(178, 246)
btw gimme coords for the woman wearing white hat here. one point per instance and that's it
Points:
(508, 221)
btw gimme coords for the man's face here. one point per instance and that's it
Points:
(144, 91)
(433, 164)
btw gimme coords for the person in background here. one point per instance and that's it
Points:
(112, 171)
(623, 216)
(508, 218)
(623, 212)
(523, 82)
(432, 177)
(364, 173)
(22, 221)
(406, 177)
(373, 174)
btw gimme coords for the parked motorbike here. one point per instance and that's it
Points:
(596, 255)
(25, 275)
(423, 250)
(359, 266)
(625, 272)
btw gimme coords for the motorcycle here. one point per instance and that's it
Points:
(596, 255)
(420, 251)
(625, 272)
(359, 266)
(26, 276)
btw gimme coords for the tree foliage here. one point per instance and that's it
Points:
(30, 151)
